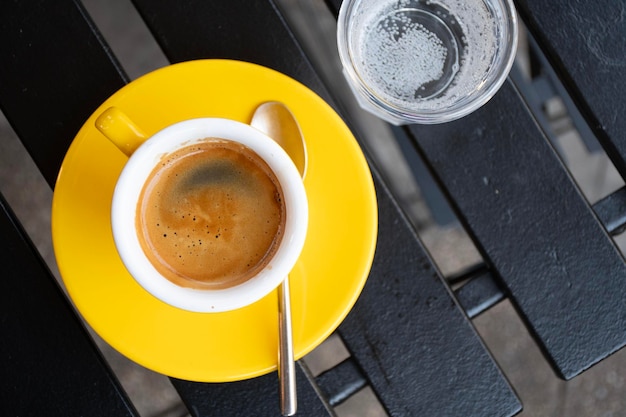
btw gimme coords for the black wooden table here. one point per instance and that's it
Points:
(544, 247)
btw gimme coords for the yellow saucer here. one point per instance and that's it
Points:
(215, 347)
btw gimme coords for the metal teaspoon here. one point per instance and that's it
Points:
(276, 121)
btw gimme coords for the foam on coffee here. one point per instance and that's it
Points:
(211, 215)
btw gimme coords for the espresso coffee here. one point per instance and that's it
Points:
(211, 215)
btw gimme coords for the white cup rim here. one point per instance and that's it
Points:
(130, 184)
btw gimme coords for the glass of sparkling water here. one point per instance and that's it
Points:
(426, 61)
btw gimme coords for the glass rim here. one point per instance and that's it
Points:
(398, 114)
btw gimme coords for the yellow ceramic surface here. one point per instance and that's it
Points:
(215, 347)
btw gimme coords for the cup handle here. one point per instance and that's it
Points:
(119, 129)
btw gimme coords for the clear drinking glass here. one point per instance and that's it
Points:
(426, 61)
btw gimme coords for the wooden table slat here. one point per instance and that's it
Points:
(50, 366)
(412, 339)
(254, 397)
(55, 70)
(256, 33)
(557, 262)
(586, 44)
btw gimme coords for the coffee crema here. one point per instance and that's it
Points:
(211, 215)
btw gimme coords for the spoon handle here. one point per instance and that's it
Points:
(286, 364)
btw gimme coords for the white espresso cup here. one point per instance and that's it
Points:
(145, 155)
